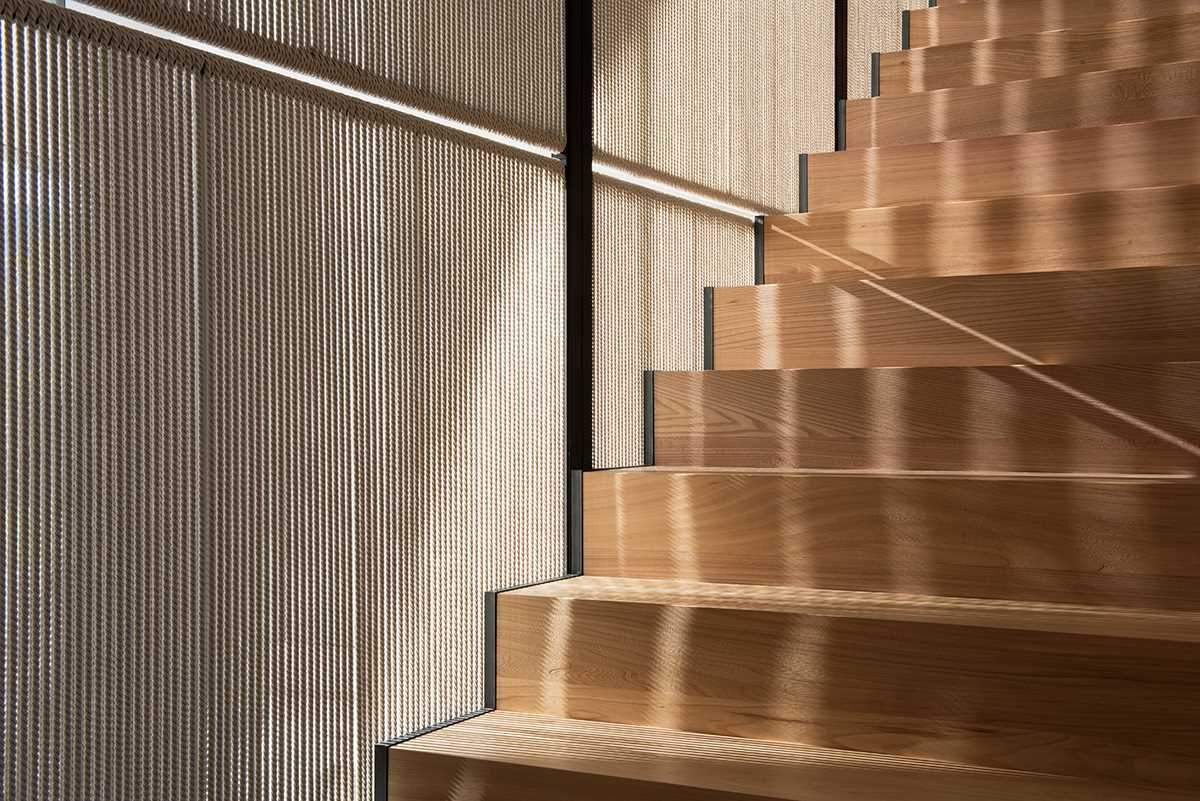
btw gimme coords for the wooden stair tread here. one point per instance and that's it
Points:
(1150, 227)
(1090, 99)
(732, 767)
(990, 19)
(899, 473)
(1100, 540)
(1129, 43)
(1106, 158)
(1051, 418)
(1149, 624)
(1131, 315)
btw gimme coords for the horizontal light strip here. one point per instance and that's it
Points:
(311, 80)
(664, 188)
(617, 174)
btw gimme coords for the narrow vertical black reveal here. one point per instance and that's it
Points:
(575, 529)
(839, 134)
(841, 64)
(577, 158)
(874, 75)
(489, 650)
(648, 417)
(803, 182)
(905, 28)
(760, 249)
(381, 771)
(708, 328)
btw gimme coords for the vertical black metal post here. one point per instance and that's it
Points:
(841, 69)
(577, 158)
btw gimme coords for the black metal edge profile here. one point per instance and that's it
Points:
(841, 69)
(708, 328)
(648, 417)
(874, 75)
(803, 183)
(575, 526)
(905, 28)
(382, 748)
(577, 158)
(760, 250)
(839, 133)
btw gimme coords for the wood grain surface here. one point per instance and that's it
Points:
(991, 19)
(508, 756)
(1113, 157)
(1058, 418)
(1085, 231)
(1075, 539)
(1133, 315)
(1089, 705)
(1110, 97)
(1132, 43)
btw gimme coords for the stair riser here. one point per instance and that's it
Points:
(1134, 315)
(1049, 418)
(990, 19)
(1077, 160)
(1065, 541)
(1133, 43)
(1090, 231)
(1067, 704)
(1142, 94)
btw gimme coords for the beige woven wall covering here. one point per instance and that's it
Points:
(873, 26)
(282, 399)
(716, 95)
(653, 258)
(496, 63)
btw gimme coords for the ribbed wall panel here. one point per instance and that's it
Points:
(387, 379)
(498, 63)
(653, 258)
(716, 95)
(873, 26)
(283, 398)
(106, 629)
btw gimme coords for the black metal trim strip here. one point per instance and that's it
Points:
(839, 134)
(905, 28)
(648, 417)
(575, 528)
(841, 66)
(577, 156)
(803, 183)
(760, 250)
(382, 749)
(874, 75)
(708, 328)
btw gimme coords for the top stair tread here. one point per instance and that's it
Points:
(1044, 54)
(745, 768)
(1151, 624)
(989, 19)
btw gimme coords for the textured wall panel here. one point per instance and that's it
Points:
(387, 389)
(720, 95)
(283, 398)
(498, 63)
(653, 258)
(106, 629)
(874, 26)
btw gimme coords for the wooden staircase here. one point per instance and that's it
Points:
(931, 527)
